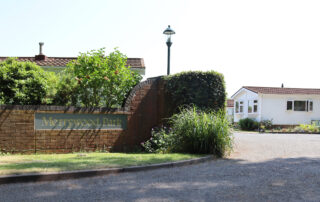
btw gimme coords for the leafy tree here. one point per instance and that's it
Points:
(25, 83)
(101, 80)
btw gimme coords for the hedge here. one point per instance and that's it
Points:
(206, 90)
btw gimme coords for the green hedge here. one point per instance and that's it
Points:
(202, 89)
(25, 83)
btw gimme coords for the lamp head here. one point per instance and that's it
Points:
(169, 32)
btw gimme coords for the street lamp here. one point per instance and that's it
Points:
(168, 32)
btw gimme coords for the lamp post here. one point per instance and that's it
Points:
(168, 32)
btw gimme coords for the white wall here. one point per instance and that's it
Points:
(275, 107)
(246, 95)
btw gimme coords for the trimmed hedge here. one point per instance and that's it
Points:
(206, 90)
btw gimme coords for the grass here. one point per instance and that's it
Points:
(26, 164)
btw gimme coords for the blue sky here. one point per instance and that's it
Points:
(252, 42)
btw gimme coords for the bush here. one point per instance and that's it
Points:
(202, 89)
(307, 128)
(161, 141)
(248, 124)
(196, 131)
(67, 90)
(25, 83)
(266, 124)
(102, 81)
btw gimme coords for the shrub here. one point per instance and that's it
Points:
(266, 124)
(194, 131)
(307, 128)
(248, 124)
(102, 80)
(25, 83)
(67, 90)
(202, 89)
(161, 141)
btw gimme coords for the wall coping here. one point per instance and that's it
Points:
(63, 108)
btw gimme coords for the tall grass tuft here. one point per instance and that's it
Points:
(202, 132)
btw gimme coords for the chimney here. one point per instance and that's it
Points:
(41, 56)
(282, 85)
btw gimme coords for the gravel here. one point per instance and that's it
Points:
(263, 167)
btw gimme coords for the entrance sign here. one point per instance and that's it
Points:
(55, 121)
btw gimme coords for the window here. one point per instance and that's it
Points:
(300, 105)
(255, 106)
(289, 105)
(310, 106)
(239, 107)
(252, 106)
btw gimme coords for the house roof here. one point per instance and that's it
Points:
(283, 91)
(230, 103)
(62, 61)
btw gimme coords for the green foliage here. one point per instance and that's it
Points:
(202, 89)
(25, 83)
(67, 89)
(248, 124)
(307, 128)
(98, 80)
(202, 132)
(194, 131)
(266, 124)
(161, 141)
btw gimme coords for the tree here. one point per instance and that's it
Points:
(102, 80)
(25, 83)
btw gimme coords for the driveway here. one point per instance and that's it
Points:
(263, 167)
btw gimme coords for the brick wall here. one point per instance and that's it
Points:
(144, 107)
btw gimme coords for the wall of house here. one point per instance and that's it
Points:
(144, 108)
(275, 107)
(245, 95)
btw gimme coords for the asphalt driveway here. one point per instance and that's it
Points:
(263, 167)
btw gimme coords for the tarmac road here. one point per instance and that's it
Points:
(263, 167)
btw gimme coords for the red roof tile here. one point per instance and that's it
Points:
(274, 90)
(62, 61)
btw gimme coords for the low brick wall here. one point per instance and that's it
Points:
(144, 109)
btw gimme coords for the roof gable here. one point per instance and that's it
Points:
(242, 90)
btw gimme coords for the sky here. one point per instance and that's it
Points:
(251, 42)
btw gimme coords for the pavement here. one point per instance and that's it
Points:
(263, 167)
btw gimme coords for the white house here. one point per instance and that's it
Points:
(284, 106)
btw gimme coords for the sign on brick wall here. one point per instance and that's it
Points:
(55, 121)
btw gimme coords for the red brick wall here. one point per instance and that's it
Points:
(144, 107)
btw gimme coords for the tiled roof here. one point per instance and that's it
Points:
(230, 103)
(274, 90)
(62, 61)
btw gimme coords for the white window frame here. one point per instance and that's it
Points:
(251, 104)
(307, 106)
(239, 105)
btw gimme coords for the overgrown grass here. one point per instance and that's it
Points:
(202, 132)
(21, 164)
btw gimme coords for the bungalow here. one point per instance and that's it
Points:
(58, 63)
(284, 106)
